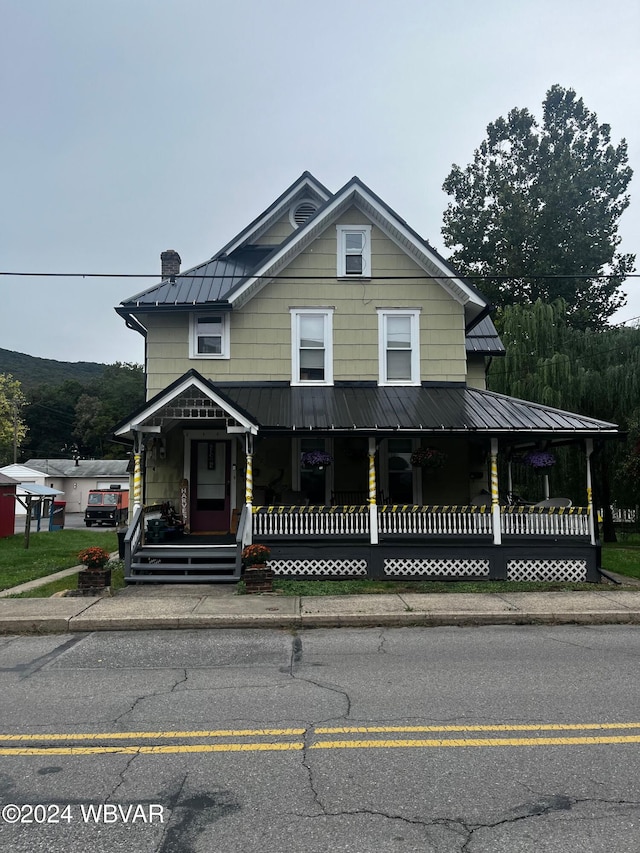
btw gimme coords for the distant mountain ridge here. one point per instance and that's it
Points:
(32, 371)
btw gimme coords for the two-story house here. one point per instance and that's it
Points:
(319, 385)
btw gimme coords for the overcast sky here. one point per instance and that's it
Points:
(134, 126)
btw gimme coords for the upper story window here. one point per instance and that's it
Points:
(312, 346)
(399, 346)
(209, 336)
(354, 251)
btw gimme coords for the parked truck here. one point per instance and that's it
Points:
(107, 506)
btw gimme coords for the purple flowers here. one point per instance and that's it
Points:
(316, 459)
(539, 459)
(428, 457)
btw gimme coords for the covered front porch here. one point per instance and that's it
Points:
(354, 482)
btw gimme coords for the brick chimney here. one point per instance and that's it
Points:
(170, 261)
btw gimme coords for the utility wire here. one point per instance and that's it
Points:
(190, 274)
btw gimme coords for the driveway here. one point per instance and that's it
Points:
(72, 521)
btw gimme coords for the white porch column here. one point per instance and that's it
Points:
(495, 502)
(137, 471)
(247, 536)
(373, 508)
(590, 510)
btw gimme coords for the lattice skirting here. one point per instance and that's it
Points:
(453, 567)
(547, 570)
(327, 567)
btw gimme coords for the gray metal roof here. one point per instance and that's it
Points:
(445, 408)
(219, 279)
(484, 339)
(37, 490)
(210, 282)
(85, 468)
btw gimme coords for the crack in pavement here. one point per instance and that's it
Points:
(110, 797)
(165, 692)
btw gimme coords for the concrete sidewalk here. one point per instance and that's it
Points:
(207, 606)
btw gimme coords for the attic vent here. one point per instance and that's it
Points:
(303, 211)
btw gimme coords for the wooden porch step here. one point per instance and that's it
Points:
(185, 564)
(183, 578)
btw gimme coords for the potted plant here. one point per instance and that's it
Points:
(428, 457)
(96, 575)
(258, 577)
(316, 459)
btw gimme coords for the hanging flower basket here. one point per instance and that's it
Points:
(316, 459)
(255, 555)
(428, 457)
(94, 558)
(539, 460)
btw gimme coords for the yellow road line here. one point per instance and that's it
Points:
(152, 750)
(320, 730)
(271, 746)
(436, 743)
(457, 742)
(554, 727)
(153, 735)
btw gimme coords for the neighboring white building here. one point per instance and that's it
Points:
(24, 474)
(76, 478)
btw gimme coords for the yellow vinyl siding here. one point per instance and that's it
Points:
(261, 330)
(276, 233)
(476, 376)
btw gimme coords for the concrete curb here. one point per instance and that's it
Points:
(74, 624)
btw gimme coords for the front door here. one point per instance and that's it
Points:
(210, 486)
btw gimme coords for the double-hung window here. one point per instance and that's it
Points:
(399, 346)
(209, 336)
(312, 346)
(354, 251)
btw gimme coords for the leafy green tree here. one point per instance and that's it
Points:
(50, 417)
(78, 417)
(537, 211)
(104, 403)
(13, 428)
(595, 373)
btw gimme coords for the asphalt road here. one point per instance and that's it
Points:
(476, 740)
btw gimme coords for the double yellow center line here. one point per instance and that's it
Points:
(285, 739)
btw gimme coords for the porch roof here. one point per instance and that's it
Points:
(431, 408)
(363, 407)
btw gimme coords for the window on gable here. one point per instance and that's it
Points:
(354, 250)
(399, 347)
(209, 335)
(311, 346)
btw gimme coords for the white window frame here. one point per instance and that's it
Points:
(327, 315)
(414, 316)
(224, 331)
(342, 231)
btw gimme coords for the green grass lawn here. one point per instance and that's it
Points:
(622, 557)
(49, 589)
(51, 551)
(48, 552)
